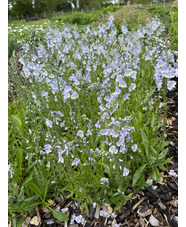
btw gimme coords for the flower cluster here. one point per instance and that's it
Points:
(84, 93)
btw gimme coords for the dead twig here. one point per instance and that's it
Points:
(138, 203)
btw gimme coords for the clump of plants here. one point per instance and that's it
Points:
(82, 18)
(83, 118)
(133, 18)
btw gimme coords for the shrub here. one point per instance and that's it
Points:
(132, 17)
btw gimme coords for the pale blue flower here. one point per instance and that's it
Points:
(132, 87)
(125, 172)
(172, 173)
(122, 84)
(10, 171)
(103, 213)
(66, 95)
(31, 65)
(74, 95)
(21, 60)
(149, 181)
(48, 165)
(159, 83)
(64, 210)
(48, 148)
(113, 149)
(61, 159)
(126, 96)
(107, 98)
(171, 84)
(75, 162)
(120, 142)
(114, 134)
(104, 132)
(102, 108)
(104, 180)
(48, 123)
(80, 134)
(50, 222)
(134, 147)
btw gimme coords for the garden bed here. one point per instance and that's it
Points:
(88, 124)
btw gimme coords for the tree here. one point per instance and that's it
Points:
(20, 7)
(40, 6)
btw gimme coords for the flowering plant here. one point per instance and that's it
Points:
(86, 109)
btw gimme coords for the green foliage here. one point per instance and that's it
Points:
(59, 215)
(12, 46)
(36, 170)
(21, 7)
(162, 13)
(110, 9)
(132, 17)
(82, 18)
(174, 27)
(77, 18)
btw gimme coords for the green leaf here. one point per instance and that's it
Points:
(45, 205)
(145, 141)
(44, 189)
(37, 178)
(137, 174)
(20, 222)
(19, 159)
(16, 178)
(11, 218)
(23, 207)
(84, 206)
(27, 181)
(35, 189)
(30, 167)
(152, 120)
(163, 154)
(164, 144)
(153, 150)
(69, 195)
(16, 120)
(60, 216)
(155, 174)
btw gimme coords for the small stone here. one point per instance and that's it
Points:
(153, 221)
(176, 218)
(34, 221)
(153, 192)
(27, 220)
(166, 197)
(162, 206)
(161, 187)
(172, 185)
(96, 215)
(141, 222)
(91, 212)
(174, 203)
(145, 211)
